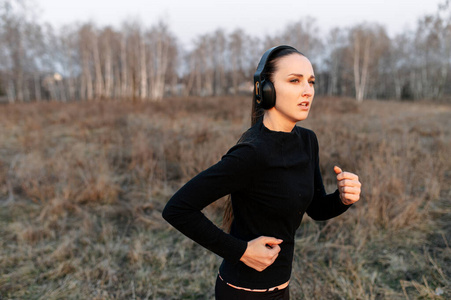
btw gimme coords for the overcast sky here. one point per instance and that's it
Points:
(190, 18)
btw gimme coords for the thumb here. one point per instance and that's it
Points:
(337, 170)
(272, 240)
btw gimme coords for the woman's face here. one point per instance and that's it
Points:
(294, 84)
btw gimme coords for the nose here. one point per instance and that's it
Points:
(308, 90)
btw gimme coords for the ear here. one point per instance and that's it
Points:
(268, 95)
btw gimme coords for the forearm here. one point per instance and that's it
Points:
(326, 206)
(200, 229)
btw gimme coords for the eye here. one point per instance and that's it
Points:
(294, 80)
(312, 82)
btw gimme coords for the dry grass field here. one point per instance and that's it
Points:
(82, 187)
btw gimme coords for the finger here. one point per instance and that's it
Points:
(350, 197)
(337, 170)
(349, 190)
(348, 202)
(270, 240)
(348, 182)
(275, 249)
(274, 257)
(347, 175)
(273, 246)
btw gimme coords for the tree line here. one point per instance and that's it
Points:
(82, 62)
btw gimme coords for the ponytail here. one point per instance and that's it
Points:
(257, 112)
(228, 215)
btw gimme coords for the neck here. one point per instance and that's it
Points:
(272, 122)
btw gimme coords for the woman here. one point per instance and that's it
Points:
(273, 177)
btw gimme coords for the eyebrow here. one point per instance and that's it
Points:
(300, 75)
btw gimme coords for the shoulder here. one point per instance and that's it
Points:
(307, 133)
(252, 135)
(309, 138)
(243, 158)
(247, 144)
(248, 147)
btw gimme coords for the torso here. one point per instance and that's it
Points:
(273, 203)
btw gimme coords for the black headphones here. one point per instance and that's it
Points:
(265, 93)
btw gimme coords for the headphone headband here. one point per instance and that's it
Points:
(258, 81)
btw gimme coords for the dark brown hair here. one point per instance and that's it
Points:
(256, 114)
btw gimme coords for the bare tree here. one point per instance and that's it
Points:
(162, 50)
(368, 42)
(429, 66)
(97, 65)
(236, 45)
(333, 59)
(301, 35)
(143, 68)
(131, 59)
(12, 39)
(124, 78)
(107, 45)
(398, 63)
(203, 63)
(220, 61)
(86, 88)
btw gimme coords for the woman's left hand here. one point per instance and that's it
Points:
(348, 186)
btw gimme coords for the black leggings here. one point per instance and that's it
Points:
(226, 292)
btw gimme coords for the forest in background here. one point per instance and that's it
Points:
(83, 61)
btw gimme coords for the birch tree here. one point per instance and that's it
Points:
(132, 32)
(433, 54)
(220, 61)
(398, 64)
(97, 65)
(236, 46)
(143, 68)
(14, 63)
(333, 59)
(367, 44)
(162, 50)
(108, 46)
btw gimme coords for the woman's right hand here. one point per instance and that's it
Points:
(261, 252)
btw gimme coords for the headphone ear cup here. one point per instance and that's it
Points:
(268, 95)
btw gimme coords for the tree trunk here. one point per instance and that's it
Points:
(37, 87)
(98, 67)
(11, 92)
(124, 73)
(357, 70)
(143, 68)
(108, 71)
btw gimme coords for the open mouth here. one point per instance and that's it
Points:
(304, 104)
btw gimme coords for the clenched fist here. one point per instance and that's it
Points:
(261, 252)
(348, 185)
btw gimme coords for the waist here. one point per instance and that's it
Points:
(275, 288)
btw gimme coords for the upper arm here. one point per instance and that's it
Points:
(233, 172)
(183, 211)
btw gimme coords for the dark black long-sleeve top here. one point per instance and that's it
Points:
(273, 178)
